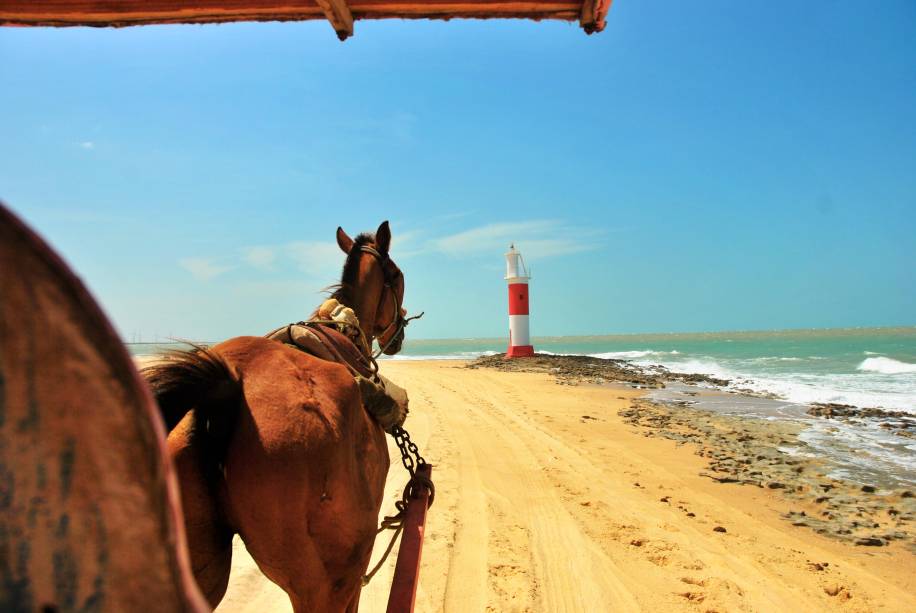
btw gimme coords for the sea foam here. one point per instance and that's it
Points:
(886, 366)
(862, 388)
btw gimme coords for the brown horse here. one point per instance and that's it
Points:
(274, 445)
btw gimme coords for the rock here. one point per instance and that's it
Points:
(697, 378)
(719, 529)
(833, 589)
(870, 542)
(868, 489)
(818, 566)
(776, 485)
(720, 478)
(833, 410)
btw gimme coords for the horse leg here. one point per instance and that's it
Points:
(295, 564)
(209, 539)
(306, 505)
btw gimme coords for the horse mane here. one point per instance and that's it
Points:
(343, 291)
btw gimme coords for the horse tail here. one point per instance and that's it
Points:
(198, 379)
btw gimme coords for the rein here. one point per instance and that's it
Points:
(401, 326)
(419, 486)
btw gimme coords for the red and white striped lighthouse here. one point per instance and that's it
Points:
(517, 278)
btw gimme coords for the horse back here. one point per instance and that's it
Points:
(291, 393)
(305, 413)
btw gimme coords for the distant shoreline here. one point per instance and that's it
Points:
(849, 330)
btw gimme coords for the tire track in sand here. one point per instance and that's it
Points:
(573, 475)
(564, 569)
(466, 585)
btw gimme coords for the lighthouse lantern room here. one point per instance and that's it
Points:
(517, 278)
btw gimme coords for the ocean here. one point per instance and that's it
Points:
(863, 367)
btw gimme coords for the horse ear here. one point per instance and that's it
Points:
(344, 241)
(383, 237)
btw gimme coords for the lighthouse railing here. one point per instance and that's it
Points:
(524, 267)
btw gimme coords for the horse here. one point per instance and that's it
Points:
(274, 445)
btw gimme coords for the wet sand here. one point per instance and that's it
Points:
(548, 499)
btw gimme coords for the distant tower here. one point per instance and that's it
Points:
(517, 278)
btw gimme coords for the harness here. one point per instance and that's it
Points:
(338, 337)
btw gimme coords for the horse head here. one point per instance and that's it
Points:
(373, 286)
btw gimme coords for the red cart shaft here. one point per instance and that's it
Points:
(407, 570)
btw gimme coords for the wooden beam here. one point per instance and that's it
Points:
(592, 17)
(338, 14)
(121, 13)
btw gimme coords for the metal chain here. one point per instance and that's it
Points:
(412, 460)
(410, 453)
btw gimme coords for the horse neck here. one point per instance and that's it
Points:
(366, 307)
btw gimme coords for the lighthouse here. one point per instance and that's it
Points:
(517, 279)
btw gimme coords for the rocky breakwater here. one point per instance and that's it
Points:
(576, 369)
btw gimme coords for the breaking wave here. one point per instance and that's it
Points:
(631, 355)
(870, 388)
(886, 366)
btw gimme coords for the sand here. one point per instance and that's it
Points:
(548, 500)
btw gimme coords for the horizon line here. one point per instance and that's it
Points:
(908, 327)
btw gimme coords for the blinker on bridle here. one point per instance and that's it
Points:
(398, 320)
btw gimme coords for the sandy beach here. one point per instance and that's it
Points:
(549, 500)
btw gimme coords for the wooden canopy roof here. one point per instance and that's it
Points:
(340, 13)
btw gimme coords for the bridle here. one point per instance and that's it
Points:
(391, 274)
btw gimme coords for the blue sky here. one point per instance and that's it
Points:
(696, 166)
